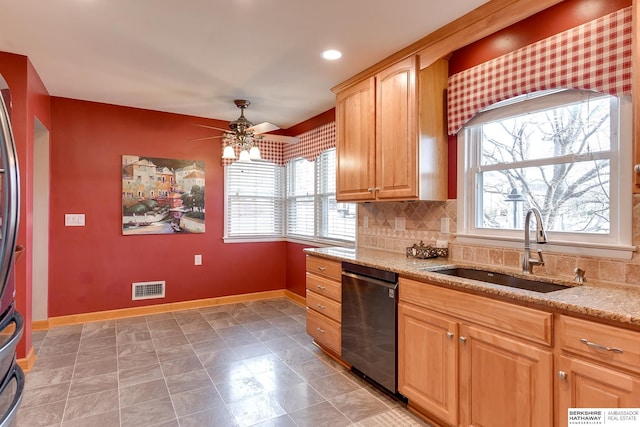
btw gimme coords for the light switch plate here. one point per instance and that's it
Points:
(74, 220)
(197, 260)
(444, 225)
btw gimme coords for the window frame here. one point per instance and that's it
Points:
(315, 240)
(318, 197)
(617, 244)
(248, 238)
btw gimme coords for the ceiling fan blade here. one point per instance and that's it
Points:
(212, 127)
(263, 128)
(280, 138)
(206, 137)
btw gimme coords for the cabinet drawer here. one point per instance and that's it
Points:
(324, 267)
(523, 322)
(615, 346)
(324, 331)
(325, 287)
(324, 305)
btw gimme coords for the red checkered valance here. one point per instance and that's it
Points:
(593, 56)
(312, 143)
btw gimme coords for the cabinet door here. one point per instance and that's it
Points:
(583, 384)
(355, 142)
(503, 381)
(428, 361)
(397, 131)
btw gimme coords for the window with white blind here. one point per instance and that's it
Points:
(254, 200)
(312, 210)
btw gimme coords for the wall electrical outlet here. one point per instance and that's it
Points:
(74, 220)
(366, 221)
(197, 260)
(400, 223)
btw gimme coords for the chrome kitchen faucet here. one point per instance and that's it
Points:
(541, 237)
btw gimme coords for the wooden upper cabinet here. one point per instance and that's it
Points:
(355, 142)
(397, 131)
(391, 134)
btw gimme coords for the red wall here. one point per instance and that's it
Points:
(559, 18)
(29, 100)
(92, 267)
(296, 268)
(296, 260)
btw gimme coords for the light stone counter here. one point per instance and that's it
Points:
(614, 304)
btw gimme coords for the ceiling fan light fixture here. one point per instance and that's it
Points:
(228, 153)
(331, 54)
(244, 156)
(254, 153)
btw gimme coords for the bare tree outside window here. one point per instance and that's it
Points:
(557, 159)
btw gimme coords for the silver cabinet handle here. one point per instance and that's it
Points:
(376, 189)
(322, 331)
(463, 339)
(600, 346)
(562, 375)
(322, 268)
(370, 190)
(320, 287)
(320, 306)
(449, 334)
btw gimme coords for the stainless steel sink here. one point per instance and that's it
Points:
(502, 279)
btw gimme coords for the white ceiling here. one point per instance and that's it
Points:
(196, 56)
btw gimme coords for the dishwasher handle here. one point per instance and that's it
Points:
(368, 279)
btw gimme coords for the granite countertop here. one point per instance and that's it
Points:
(616, 304)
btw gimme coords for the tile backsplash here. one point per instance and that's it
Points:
(394, 226)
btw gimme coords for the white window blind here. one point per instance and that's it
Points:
(335, 220)
(312, 211)
(300, 198)
(254, 200)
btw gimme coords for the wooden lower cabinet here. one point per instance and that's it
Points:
(598, 366)
(461, 373)
(503, 381)
(324, 331)
(585, 384)
(324, 308)
(428, 360)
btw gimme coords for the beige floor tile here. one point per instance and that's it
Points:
(229, 365)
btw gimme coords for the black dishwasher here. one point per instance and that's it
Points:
(369, 322)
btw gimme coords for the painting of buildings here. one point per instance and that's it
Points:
(162, 196)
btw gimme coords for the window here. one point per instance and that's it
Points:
(565, 153)
(256, 203)
(312, 210)
(254, 200)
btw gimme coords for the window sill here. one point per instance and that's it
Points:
(310, 242)
(609, 251)
(252, 239)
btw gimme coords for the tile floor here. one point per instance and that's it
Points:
(230, 365)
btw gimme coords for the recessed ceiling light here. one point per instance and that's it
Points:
(331, 54)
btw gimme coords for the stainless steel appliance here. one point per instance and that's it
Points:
(369, 322)
(11, 322)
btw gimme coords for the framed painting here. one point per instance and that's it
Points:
(162, 196)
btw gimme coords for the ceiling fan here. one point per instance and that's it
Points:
(244, 135)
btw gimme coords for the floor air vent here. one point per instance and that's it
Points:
(147, 290)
